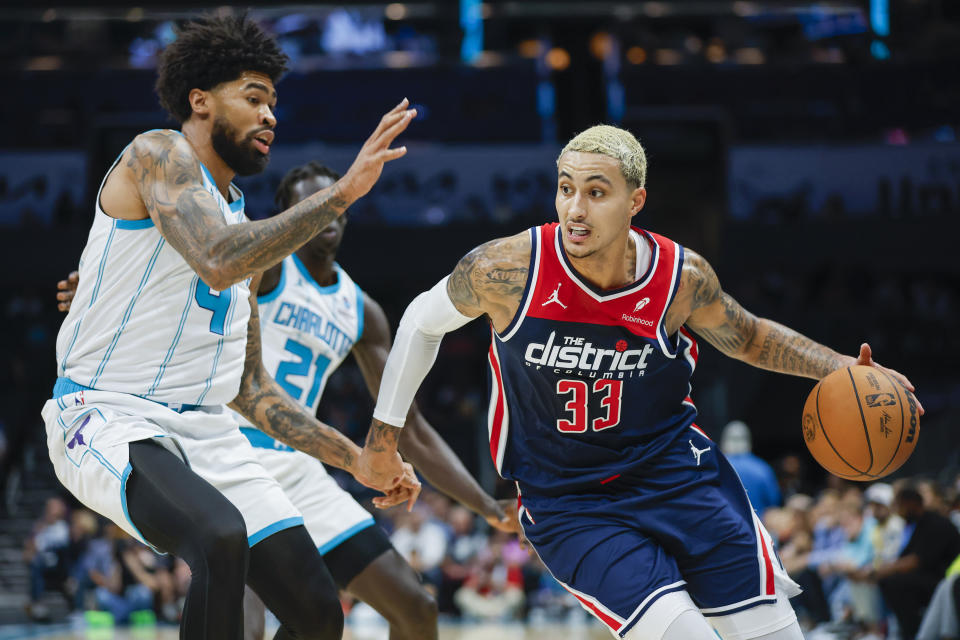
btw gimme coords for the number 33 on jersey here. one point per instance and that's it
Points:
(585, 383)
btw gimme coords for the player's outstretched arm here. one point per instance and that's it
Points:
(275, 413)
(419, 442)
(168, 177)
(703, 306)
(487, 281)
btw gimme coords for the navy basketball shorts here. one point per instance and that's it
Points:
(682, 523)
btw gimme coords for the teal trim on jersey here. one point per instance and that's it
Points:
(176, 339)
(237, 205)
(277, 290)
(333, 288)
(129, 225)
(209, 175)
(127, 313)
(266, 532)
(126, 512)
(65, 386)
(346, 535)
(360, 307)
(259, 440)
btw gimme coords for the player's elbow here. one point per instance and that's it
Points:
(216, 272)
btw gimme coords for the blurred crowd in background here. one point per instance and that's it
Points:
(878, 561)
(807, 149)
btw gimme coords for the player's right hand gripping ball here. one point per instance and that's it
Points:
(860, 424)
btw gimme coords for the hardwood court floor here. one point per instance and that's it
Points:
(447, 632)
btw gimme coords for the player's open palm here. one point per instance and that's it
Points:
(376, 151)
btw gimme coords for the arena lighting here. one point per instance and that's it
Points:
(395, 11)
(530, 48)
(471, 20)
(636, 55)
(558, 59)
(601, 45)
(880, 25)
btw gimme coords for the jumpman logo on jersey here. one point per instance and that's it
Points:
(78, 435)
(697, 452)
(555, 297)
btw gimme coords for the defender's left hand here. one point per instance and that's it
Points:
(407, 491)
(866, 359)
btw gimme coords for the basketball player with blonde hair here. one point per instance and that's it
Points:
(629, 504)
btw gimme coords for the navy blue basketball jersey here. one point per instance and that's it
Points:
(586, 385)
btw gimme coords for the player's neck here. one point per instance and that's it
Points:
(199, 139)
(319, 265)
(610, 268)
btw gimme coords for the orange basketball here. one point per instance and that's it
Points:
(860, 423)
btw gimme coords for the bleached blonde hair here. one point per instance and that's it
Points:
(615, 143)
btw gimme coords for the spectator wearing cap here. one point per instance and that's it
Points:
(930, 543)
(756, 475)
(888, 533)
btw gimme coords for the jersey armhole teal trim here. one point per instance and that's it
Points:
(132, 225)
(360, 308)
(277, 290)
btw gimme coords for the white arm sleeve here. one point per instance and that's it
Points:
(427, 318)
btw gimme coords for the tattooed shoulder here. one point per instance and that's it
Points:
(698, 287)
(491, 278)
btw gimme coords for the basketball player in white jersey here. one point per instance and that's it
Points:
(627, 502)
(313, 316)
(164, 331)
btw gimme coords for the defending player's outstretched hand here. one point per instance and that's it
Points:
(376, 151)
(865, 358)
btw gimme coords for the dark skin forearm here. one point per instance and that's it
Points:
(418, 441)
(423, 447)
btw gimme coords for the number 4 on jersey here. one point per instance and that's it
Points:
(578, 405)
(217, 302)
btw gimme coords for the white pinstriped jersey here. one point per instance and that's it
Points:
(307, 331)
(143, 322)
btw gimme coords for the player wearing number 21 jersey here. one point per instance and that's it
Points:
(628, 503)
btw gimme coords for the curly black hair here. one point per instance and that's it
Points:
(284, 196)
(211, 50)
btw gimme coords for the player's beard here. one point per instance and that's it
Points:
(242, 157)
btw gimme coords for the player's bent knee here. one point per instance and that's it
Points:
(223, 542)
(661, 617)
(775, 621)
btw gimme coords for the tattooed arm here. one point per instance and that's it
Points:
(711, 312)
(487, 281)
(490, 279)
(166, 174)
(270, 409)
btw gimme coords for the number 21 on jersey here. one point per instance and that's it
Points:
(606, 414)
